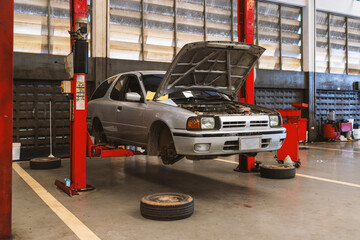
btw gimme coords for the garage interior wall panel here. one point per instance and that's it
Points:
(125, 29)
(354, 45)
(31, 107)
(278, 98)
(59, 27)
(218, 20)
(190, 21)
(269, 35)
(322, 33)
(30, 26)
(346, 105)
(41, 26)
(291, 38)
(166, 25)
(278, 29)
(159, 30)
(337, 44)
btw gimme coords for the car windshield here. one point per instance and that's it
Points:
(152, 81)
(199, 95)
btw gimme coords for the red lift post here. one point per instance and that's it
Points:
(81, 143)
(6, 114)
(246, 29)
(78, 132)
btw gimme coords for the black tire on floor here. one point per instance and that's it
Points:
(280, 171)
(45, 163)
(167, 206)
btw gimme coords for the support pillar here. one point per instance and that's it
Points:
(6, 114)
(309, 64)
(100, 39)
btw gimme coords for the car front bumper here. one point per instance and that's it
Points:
(228, 143)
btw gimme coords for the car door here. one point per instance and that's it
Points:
(130, 115)
(109, 109)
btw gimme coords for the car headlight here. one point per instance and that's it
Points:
(207, 123)
(198, 123)
(275, 120)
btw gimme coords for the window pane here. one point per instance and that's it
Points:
(354, 45)
(159, 30)
(218, 17)
(31, 31)
(337, 44)
(269, 37)
(60, 25)
(322, 33)
(30, 26)
(125, 29)
(291, 38)
(190, 21)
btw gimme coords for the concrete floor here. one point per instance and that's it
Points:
(228, 205)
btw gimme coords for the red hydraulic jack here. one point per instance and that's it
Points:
(80, 142)
(104, 151)
(246, 21)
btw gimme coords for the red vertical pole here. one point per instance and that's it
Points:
(6, 114)
(78, 8)
(246, 29)
(79, 133)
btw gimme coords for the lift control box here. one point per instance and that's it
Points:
(65, 86)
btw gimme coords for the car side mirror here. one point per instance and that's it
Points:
(132, 97)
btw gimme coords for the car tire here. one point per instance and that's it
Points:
(167, 148)
(45, 163)
(280, 171)
(97, 132)
(167, 206)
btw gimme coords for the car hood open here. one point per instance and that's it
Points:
(222, 66)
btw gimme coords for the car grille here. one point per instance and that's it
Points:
(235, 124)
(259, 123)
(234, 145)
(242, 124)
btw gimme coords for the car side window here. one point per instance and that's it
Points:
(101, 90)
(133, 85)
(116, 92)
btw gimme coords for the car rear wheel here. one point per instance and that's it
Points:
(167, 148)
(98, 133)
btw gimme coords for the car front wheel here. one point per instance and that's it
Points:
(97, 132)
(167, 148)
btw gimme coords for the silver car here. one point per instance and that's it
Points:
(189, 110)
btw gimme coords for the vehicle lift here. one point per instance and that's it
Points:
(246, 30)
(81, 144)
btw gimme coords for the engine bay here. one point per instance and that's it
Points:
(212, 108)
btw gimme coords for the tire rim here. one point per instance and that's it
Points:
(167, 198)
